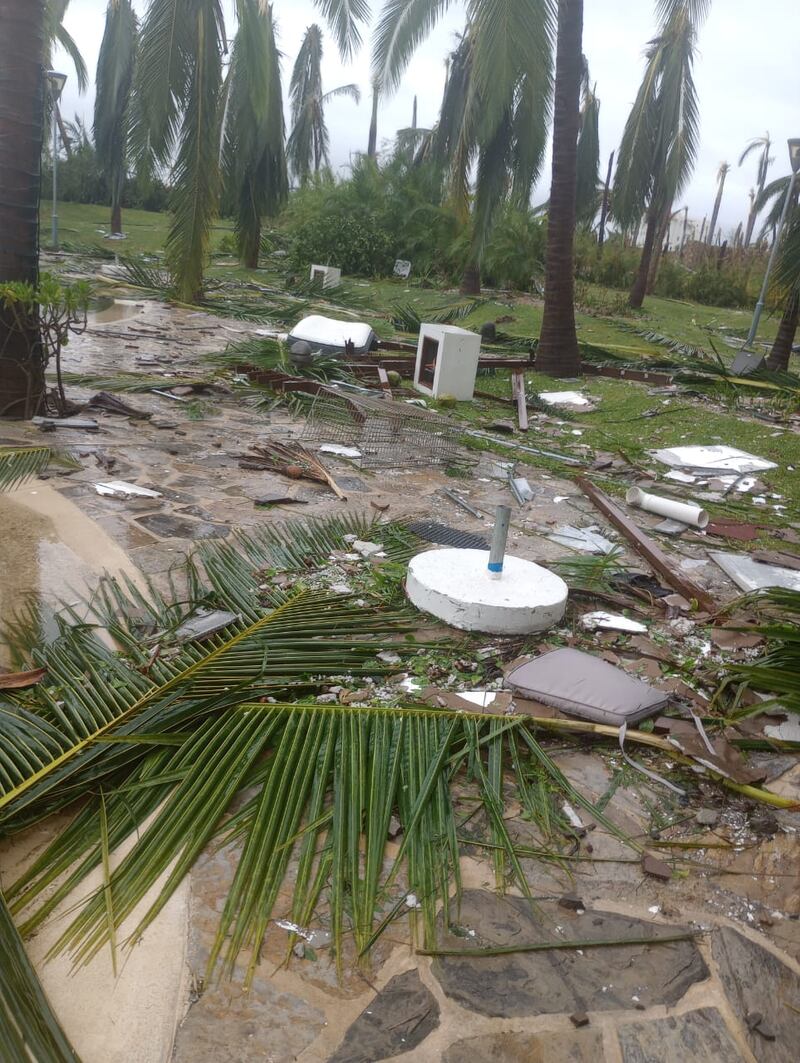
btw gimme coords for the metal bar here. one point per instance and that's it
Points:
(518, 391)
(644, 546)
(460, 502)
(497, 549)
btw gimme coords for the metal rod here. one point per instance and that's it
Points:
(497, 550)
(765, 286)
(54, 231)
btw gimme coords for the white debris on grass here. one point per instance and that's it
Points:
(587, 540)
(564, 398)
(612, 622)
(339, 450)
(712, 459)
(123, 489)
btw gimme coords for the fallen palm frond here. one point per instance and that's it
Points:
(124, 381)
(693, 365)
(18, 464)
(28, 1028)
(777, 673)
(407, 318)
(138, 272)
(292, 460)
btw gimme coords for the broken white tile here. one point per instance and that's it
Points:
(563, 398)
(123, 489)
(600, 621)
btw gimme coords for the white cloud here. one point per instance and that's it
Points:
(747, 75)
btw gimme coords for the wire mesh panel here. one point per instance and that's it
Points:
(389, 434)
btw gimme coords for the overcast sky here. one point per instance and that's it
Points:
(747, 74)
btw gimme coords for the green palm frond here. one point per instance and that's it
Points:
(778, 672)
(113, 84)
(28, 1028)
(56, 34)
(588, 195)
(402, 26)
(18, 464)
(697, 10)
(345, 17)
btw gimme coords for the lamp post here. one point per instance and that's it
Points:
(55, 83)
(794, 158)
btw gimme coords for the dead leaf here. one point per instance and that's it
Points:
(18, 680)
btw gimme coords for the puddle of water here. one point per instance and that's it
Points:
(50, 552)
(105, 308)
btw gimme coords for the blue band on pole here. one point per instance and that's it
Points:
(495, 566)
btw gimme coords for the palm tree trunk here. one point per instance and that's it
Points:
(558, 352)
(21, 131)
(658, 251)
(372, 143)
(639, 288)
(601, 232)
(471, 280)
(116, 218)
(715, 212)
(787, 330)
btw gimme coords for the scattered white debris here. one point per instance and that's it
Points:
(389, 657)
(654, 909)
(411, 901)
(752, 575)
(612, 622)
(560, 498)
(572, 815)
(587, 540)
(713, 459)
(410, 685)
(366, 549)
(341, 588)
(123, 489)
(564, 398)
(680, 477)
(482, 698)
(339, 450)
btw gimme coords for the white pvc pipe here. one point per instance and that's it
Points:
(666, 507)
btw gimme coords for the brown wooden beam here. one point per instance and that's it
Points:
(665, 566)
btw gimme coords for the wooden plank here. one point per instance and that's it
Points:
(665, 566)
(641, 376)
(383, 377)
(518, 392)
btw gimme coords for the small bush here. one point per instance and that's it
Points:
(716, 287)
(356, 242)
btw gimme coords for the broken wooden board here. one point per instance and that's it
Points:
(646, 547)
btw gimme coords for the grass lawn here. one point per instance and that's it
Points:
(627, 417)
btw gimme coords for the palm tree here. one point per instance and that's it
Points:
(786, 279)
(372, 142)
(588, 192)
(558, 353)
(254, 158)
(660, 140)
(492, 128)
(763, 146)
(178, 118)
(722, 173)
(22, 47)
(113, 83)
(309, 144)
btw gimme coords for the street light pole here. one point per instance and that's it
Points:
(56, 84)
(794, 156)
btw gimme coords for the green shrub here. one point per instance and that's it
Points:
(514, 256)
(672, 278)
(356, 242)
(717, 287)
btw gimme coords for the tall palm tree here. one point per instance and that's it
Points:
(113, 83)
(178, 117)
(786, 279)
(254, 158)
(763, 146)
(372, 141)
(309, 144)
(722, 173)
(558, 353)
(588, 192)
(660, 140)
(22, 48)
(492, 127)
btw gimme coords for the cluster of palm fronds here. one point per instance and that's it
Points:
(174, 730)
(694, 365)
(407, 318)
(18, 464)
(777, 673)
